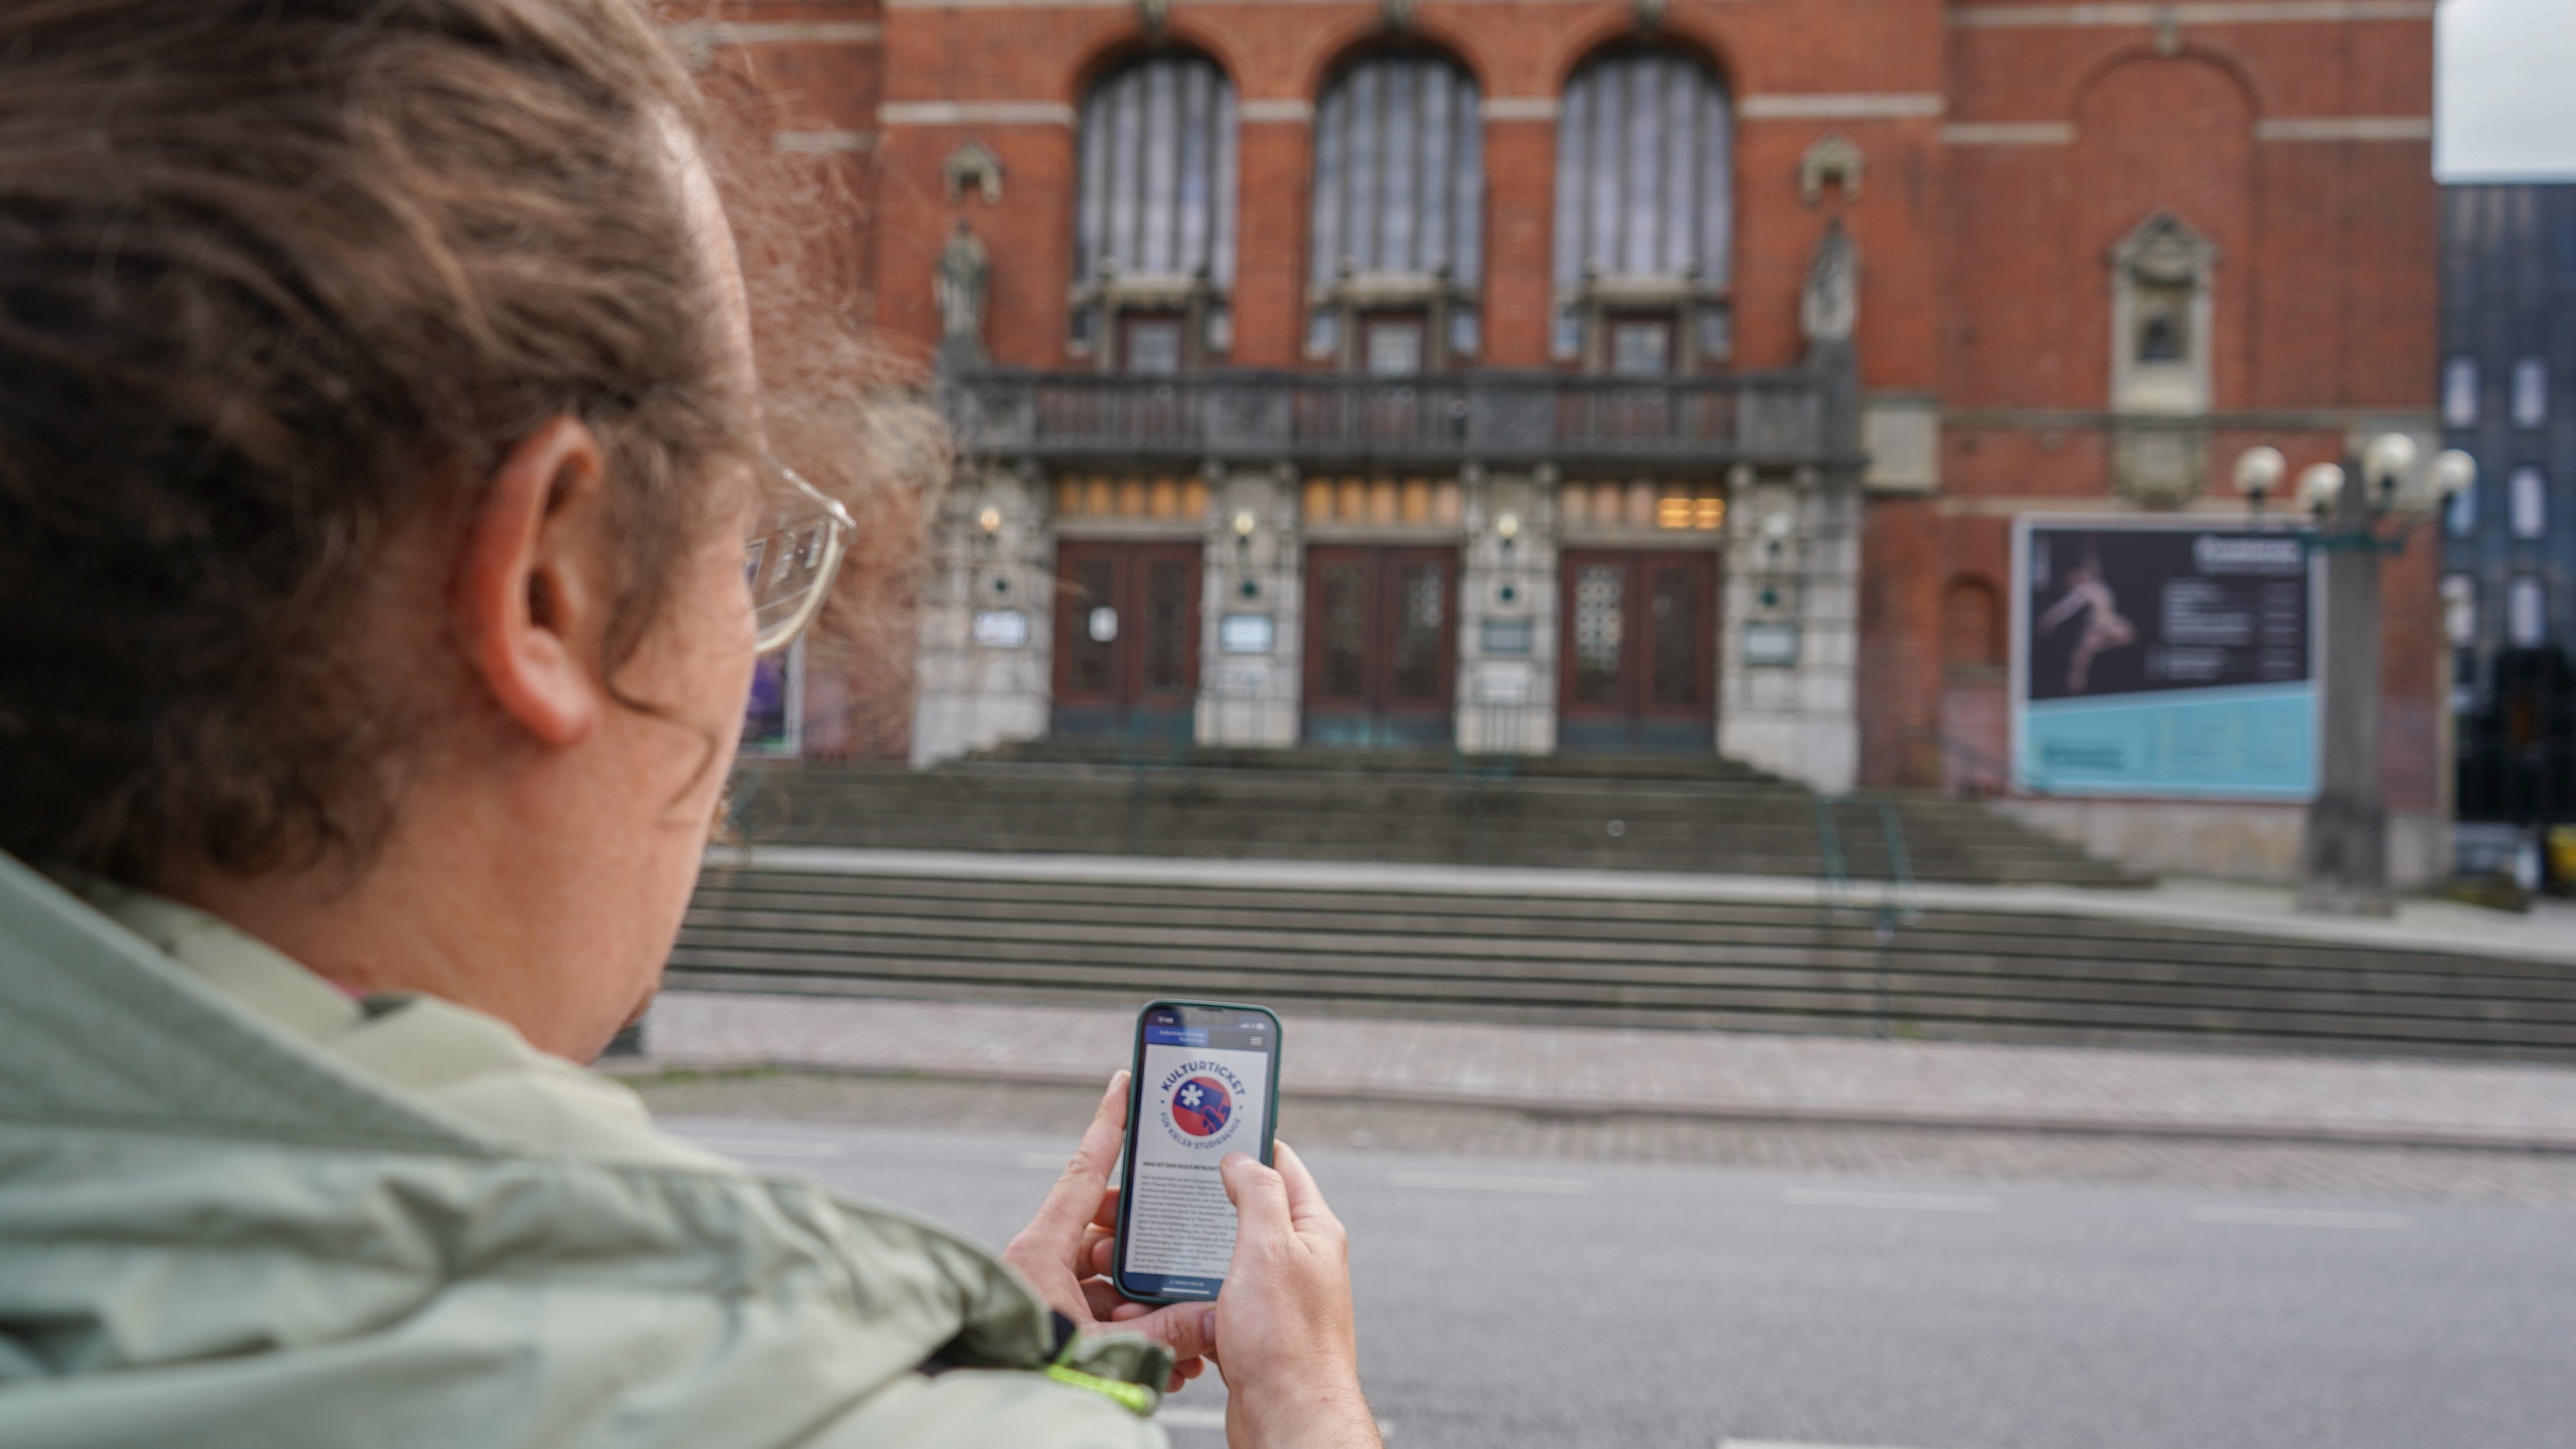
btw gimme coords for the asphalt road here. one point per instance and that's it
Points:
(1540, 1301)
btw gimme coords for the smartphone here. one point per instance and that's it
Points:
(1205, 1084)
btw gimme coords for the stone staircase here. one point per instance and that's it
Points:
(1770, 960)
(1697, 815)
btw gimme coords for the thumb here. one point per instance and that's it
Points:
(1260, 1198)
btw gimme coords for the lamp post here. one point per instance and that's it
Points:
(2344, 864)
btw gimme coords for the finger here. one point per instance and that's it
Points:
(1087, 1252)
(1107, 1217)
(1181, 1327)
(1104, 1255)
(1260, 1200)
(1306, 1205)
(1076, 1194)
(1104, 1299)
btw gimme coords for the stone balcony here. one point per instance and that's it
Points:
(1502, 419)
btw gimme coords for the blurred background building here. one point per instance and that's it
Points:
(2509, 545)
(1656, 378)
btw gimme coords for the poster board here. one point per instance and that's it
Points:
(2163, 657)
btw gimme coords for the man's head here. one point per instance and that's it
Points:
(376, 436)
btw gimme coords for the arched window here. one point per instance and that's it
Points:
(1397, 239)
(1154, 215)
(1645, 213)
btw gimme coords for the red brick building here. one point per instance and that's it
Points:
(1652, 375)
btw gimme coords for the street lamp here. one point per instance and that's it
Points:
(2258, 472)
(2320, 484)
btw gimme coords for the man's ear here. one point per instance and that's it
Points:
(531, 595)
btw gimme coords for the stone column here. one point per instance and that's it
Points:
(987, 627)
(2345, 861)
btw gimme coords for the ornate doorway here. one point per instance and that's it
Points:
(1637, 651)
(1126, 637)
(1381, 645)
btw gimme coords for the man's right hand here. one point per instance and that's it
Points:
(1283, 1331)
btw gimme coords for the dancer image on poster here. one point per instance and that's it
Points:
(2088, 592)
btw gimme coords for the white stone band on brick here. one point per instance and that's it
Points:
(2345, 128)
(1520, 108)
(1832, 106)
(822, 143)
(2210, 12)
(1277, 109)
(824, 32)
(975, 113)
(2009, 133)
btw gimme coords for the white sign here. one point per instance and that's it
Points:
(1001, 629)
(1104, 624)
(1774, 644)
(1245, 633)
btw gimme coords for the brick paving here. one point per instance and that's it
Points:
(1715, 1076)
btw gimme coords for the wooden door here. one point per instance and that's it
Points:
(1381, 644)
(1637, 650)
(1126, 636)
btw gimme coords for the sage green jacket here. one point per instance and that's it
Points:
(239, 1208)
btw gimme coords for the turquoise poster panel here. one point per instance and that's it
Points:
(2257, 740)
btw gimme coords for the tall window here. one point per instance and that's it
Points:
(2530, 393)
(1154, 215)
(1645, 159)
(2460, 392)
(1397, 239)
(2530, 499)
(2527, 613)
(2460, 515)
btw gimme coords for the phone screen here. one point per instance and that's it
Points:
(1204, 1088)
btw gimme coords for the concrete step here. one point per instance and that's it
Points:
(1985, 975)
(1695, 816)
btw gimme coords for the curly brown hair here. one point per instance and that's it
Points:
(277, 277)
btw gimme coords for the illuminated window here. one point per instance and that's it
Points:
(1700, 514)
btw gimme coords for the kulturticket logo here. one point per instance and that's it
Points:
(1198, 1101)
(1202, 1107)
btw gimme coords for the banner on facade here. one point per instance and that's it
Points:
(2162, 659)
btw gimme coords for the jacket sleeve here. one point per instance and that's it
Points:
(988, 1409)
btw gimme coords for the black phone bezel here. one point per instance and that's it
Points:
(1135, 1114)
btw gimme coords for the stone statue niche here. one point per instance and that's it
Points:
(1829, 316)
(961, 285)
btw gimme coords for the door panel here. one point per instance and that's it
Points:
(1638, 665)
(1126, 636)
(1381, 644)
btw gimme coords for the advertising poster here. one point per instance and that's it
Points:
(2163, 659)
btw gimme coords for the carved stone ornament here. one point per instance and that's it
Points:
(1833, 160)
(973, 167)
(1829, 306)
(960, 284)
(1650, 13)
(1154, 15)
(1398, 13)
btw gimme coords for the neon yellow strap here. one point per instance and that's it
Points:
(1135, 1398)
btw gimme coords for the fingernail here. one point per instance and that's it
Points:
(1207, 1327)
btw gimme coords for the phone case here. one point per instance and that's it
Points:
(1135, 1111)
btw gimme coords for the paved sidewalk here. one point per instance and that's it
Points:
(1722, 1075)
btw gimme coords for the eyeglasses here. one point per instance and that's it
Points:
(794, 551)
